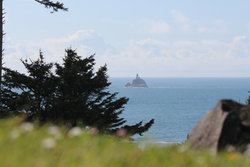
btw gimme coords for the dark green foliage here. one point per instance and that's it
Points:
(248, 100)
(47, 3)
(54, 5)
(74, 95)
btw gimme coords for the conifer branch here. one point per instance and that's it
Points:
(54, 5)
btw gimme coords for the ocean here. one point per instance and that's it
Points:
(176, 104)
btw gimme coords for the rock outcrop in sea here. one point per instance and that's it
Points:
(137, 83)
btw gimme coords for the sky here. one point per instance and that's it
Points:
(155, 38)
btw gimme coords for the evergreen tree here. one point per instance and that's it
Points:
(31, 94)
(74, 95)
(47, 3)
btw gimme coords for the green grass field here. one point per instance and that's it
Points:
(23, 145)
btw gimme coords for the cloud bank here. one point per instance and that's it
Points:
(154, 54)
(150, 57)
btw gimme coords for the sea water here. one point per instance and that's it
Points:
(176, 104)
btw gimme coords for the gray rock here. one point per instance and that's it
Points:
(128, 85)
(137, 83)
(226, 126)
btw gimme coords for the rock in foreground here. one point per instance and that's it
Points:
(226, 126)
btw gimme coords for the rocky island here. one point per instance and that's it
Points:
(137, 83)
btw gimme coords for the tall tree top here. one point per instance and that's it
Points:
(54, 5)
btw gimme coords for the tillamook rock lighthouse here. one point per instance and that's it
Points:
(137, 83)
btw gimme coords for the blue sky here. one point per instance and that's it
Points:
(155, 38)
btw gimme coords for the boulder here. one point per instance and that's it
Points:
(226, 126)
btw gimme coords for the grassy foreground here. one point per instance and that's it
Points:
(24, 145)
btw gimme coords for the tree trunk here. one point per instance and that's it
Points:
(1, 46)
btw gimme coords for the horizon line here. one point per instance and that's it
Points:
(181, 77)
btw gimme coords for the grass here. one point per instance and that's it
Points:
(23, 145)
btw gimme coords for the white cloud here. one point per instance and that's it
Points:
(217, 26)
(149, 57)
(183, 21)
(86, 42)
(185, 58)
(239, 38)
(156, 26)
